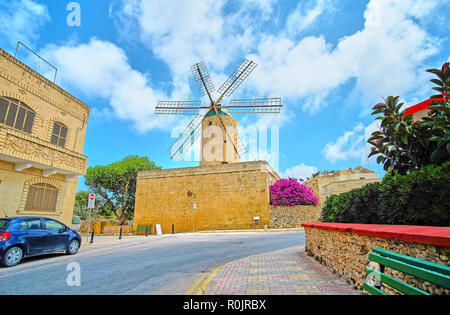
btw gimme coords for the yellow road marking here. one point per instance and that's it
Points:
(196, 284)
(205, 284)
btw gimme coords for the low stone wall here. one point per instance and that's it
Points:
(347, 253)
(292, 217)
(105, 227)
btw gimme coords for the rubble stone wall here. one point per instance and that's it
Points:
(347, 254)
(292, 217)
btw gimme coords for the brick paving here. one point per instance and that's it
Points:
(287, 271)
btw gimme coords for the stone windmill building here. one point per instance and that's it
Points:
(221, 193)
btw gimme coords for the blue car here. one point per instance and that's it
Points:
(32, 236)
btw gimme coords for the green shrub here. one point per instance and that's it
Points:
(419, 198)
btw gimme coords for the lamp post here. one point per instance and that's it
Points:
(190, 194)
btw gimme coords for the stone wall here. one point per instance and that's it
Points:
(347, 254)
(31, 158)
(14, 188)
(105, 227)
(49, 102)
(216, 146)
(228, 196)
(292, 217)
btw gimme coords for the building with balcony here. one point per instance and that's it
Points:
(327, 183)
(42, 133)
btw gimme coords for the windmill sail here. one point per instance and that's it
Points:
(242, 150)
(257, 105)
(239, 75)
(177, 107)
(240, 146)
(202, 78)
(186, 139)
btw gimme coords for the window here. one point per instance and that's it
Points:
(59, 134)
(31, 224)
(16, 114)
(4, 223)
(52, 225)
(41, 197)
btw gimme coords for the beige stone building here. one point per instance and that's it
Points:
(327, 183)
(228, 196)
(42, 133)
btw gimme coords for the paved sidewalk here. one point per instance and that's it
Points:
(287, 271)
(255, 230)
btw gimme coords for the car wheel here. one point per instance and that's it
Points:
(12, 257)
(73, 248)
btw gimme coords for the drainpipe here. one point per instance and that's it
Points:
(76, 133)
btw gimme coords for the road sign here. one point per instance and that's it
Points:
(195, 203)
(91, 201)
(158, 229)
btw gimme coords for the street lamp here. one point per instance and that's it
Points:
(190, 194)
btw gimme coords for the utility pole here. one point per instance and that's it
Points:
(195, 207)
(91, 205)
(190, 193)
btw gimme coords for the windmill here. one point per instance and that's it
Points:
(217, 116)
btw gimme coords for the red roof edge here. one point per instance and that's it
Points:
(430, 235)
(421, 106)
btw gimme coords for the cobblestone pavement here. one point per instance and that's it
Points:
(287, 271)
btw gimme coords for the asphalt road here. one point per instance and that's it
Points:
(167, 265)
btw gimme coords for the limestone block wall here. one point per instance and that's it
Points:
(50, 102)
(14, 191)
(292, 217)
(105, 227)
(228, 196)
(216, 146)
(347, 254)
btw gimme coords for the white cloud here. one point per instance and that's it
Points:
(305, 15)
(352, 144)
(181, 33)
(178, 32)
(101, 69)
(266, 6)
(306, 68)
(386, 57)
(300, 171)
(20, 21)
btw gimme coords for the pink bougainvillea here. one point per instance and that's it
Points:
(290, 192)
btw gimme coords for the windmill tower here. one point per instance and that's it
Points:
(218, 130)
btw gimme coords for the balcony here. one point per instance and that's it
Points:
(26, 151)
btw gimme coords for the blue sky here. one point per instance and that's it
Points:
(331, 62)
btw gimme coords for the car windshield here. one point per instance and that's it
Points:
(4, 223)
